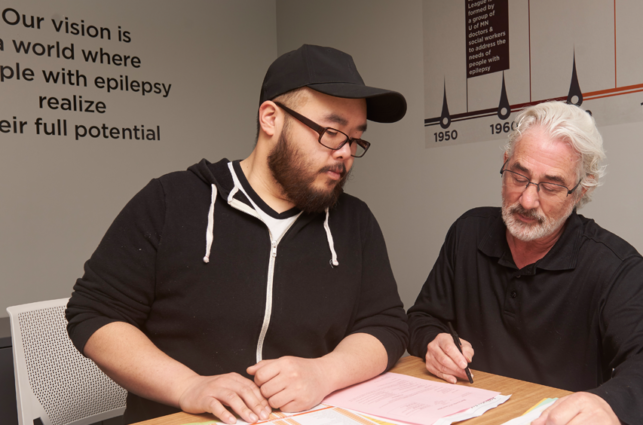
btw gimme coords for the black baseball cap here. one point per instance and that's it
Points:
(331, 72)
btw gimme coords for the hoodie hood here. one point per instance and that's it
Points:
(217, 174)
(222, 183)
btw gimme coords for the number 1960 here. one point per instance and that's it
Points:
(502, 128)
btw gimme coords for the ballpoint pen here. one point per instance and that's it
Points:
(456, 340)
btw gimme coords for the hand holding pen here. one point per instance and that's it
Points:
(456, 341)
(446, 360)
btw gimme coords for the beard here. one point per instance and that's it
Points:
(544, 226)
(293, 173)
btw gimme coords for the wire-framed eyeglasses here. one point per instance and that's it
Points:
(517, 181)
(329, 137)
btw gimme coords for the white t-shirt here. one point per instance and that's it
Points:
(277, 223)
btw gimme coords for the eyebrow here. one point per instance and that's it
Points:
(552, 178)
(334, 118)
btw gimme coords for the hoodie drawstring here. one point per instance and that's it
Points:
(331, 244)
(209, 233)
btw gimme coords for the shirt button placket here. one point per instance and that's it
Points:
(514, 293)
(511, 295)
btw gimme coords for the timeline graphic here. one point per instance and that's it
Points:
(498, 57)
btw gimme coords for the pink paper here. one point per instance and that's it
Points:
(408, 399)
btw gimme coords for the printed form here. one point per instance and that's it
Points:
(408, 399)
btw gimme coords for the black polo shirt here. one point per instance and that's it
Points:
(565, 321)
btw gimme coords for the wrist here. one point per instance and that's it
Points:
(182, 388)
(329, 373)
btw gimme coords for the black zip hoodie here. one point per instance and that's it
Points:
(189, 263)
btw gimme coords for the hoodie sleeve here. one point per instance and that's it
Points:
(380, 312)
(119, 279)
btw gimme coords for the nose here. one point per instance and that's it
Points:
(529, 198)
(344, 152)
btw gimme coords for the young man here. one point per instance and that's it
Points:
(542, 294)
(237, 287)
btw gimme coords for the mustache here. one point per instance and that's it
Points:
(337, 168)
(532, 213)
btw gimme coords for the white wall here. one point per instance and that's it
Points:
(58, 195)
(415, 192)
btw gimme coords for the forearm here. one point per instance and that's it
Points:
(127, 356)
(423, 329)
(623, 391)
(357, 358)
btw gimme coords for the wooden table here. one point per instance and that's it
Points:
(524, 395)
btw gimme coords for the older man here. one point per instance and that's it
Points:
(541, 293)
(241, 286)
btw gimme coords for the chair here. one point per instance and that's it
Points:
(55, 384)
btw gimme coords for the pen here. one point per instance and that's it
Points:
(456, 340)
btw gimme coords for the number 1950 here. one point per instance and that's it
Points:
(442, 136)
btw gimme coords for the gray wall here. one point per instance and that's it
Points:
(58, 198)
(415, 192)
(59, 195)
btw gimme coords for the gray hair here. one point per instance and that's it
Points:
(572, 125)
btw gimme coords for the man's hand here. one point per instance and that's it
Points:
(152, 374)
(576, 409)
(291, 384)
(212, 393)
(444, 360)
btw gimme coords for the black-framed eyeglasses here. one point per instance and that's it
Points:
(518, 181)
(329, 137)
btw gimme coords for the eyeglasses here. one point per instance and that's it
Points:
(517, 181)
(329, 137)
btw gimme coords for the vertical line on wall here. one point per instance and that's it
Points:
(466, 89)
(615, 74)
(529, 34)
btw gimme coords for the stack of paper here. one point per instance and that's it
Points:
(392, 399)
(402, 398)
(475, 411)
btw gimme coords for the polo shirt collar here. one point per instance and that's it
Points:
(562, 256)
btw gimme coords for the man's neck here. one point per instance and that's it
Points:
(525, 253)
(264, 184)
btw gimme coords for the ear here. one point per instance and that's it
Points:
(270, 118)
(584, 189)
(505, 158)
(581, 191)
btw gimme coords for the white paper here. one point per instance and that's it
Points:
(475, 411)
(527, 418)
(318, 415)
